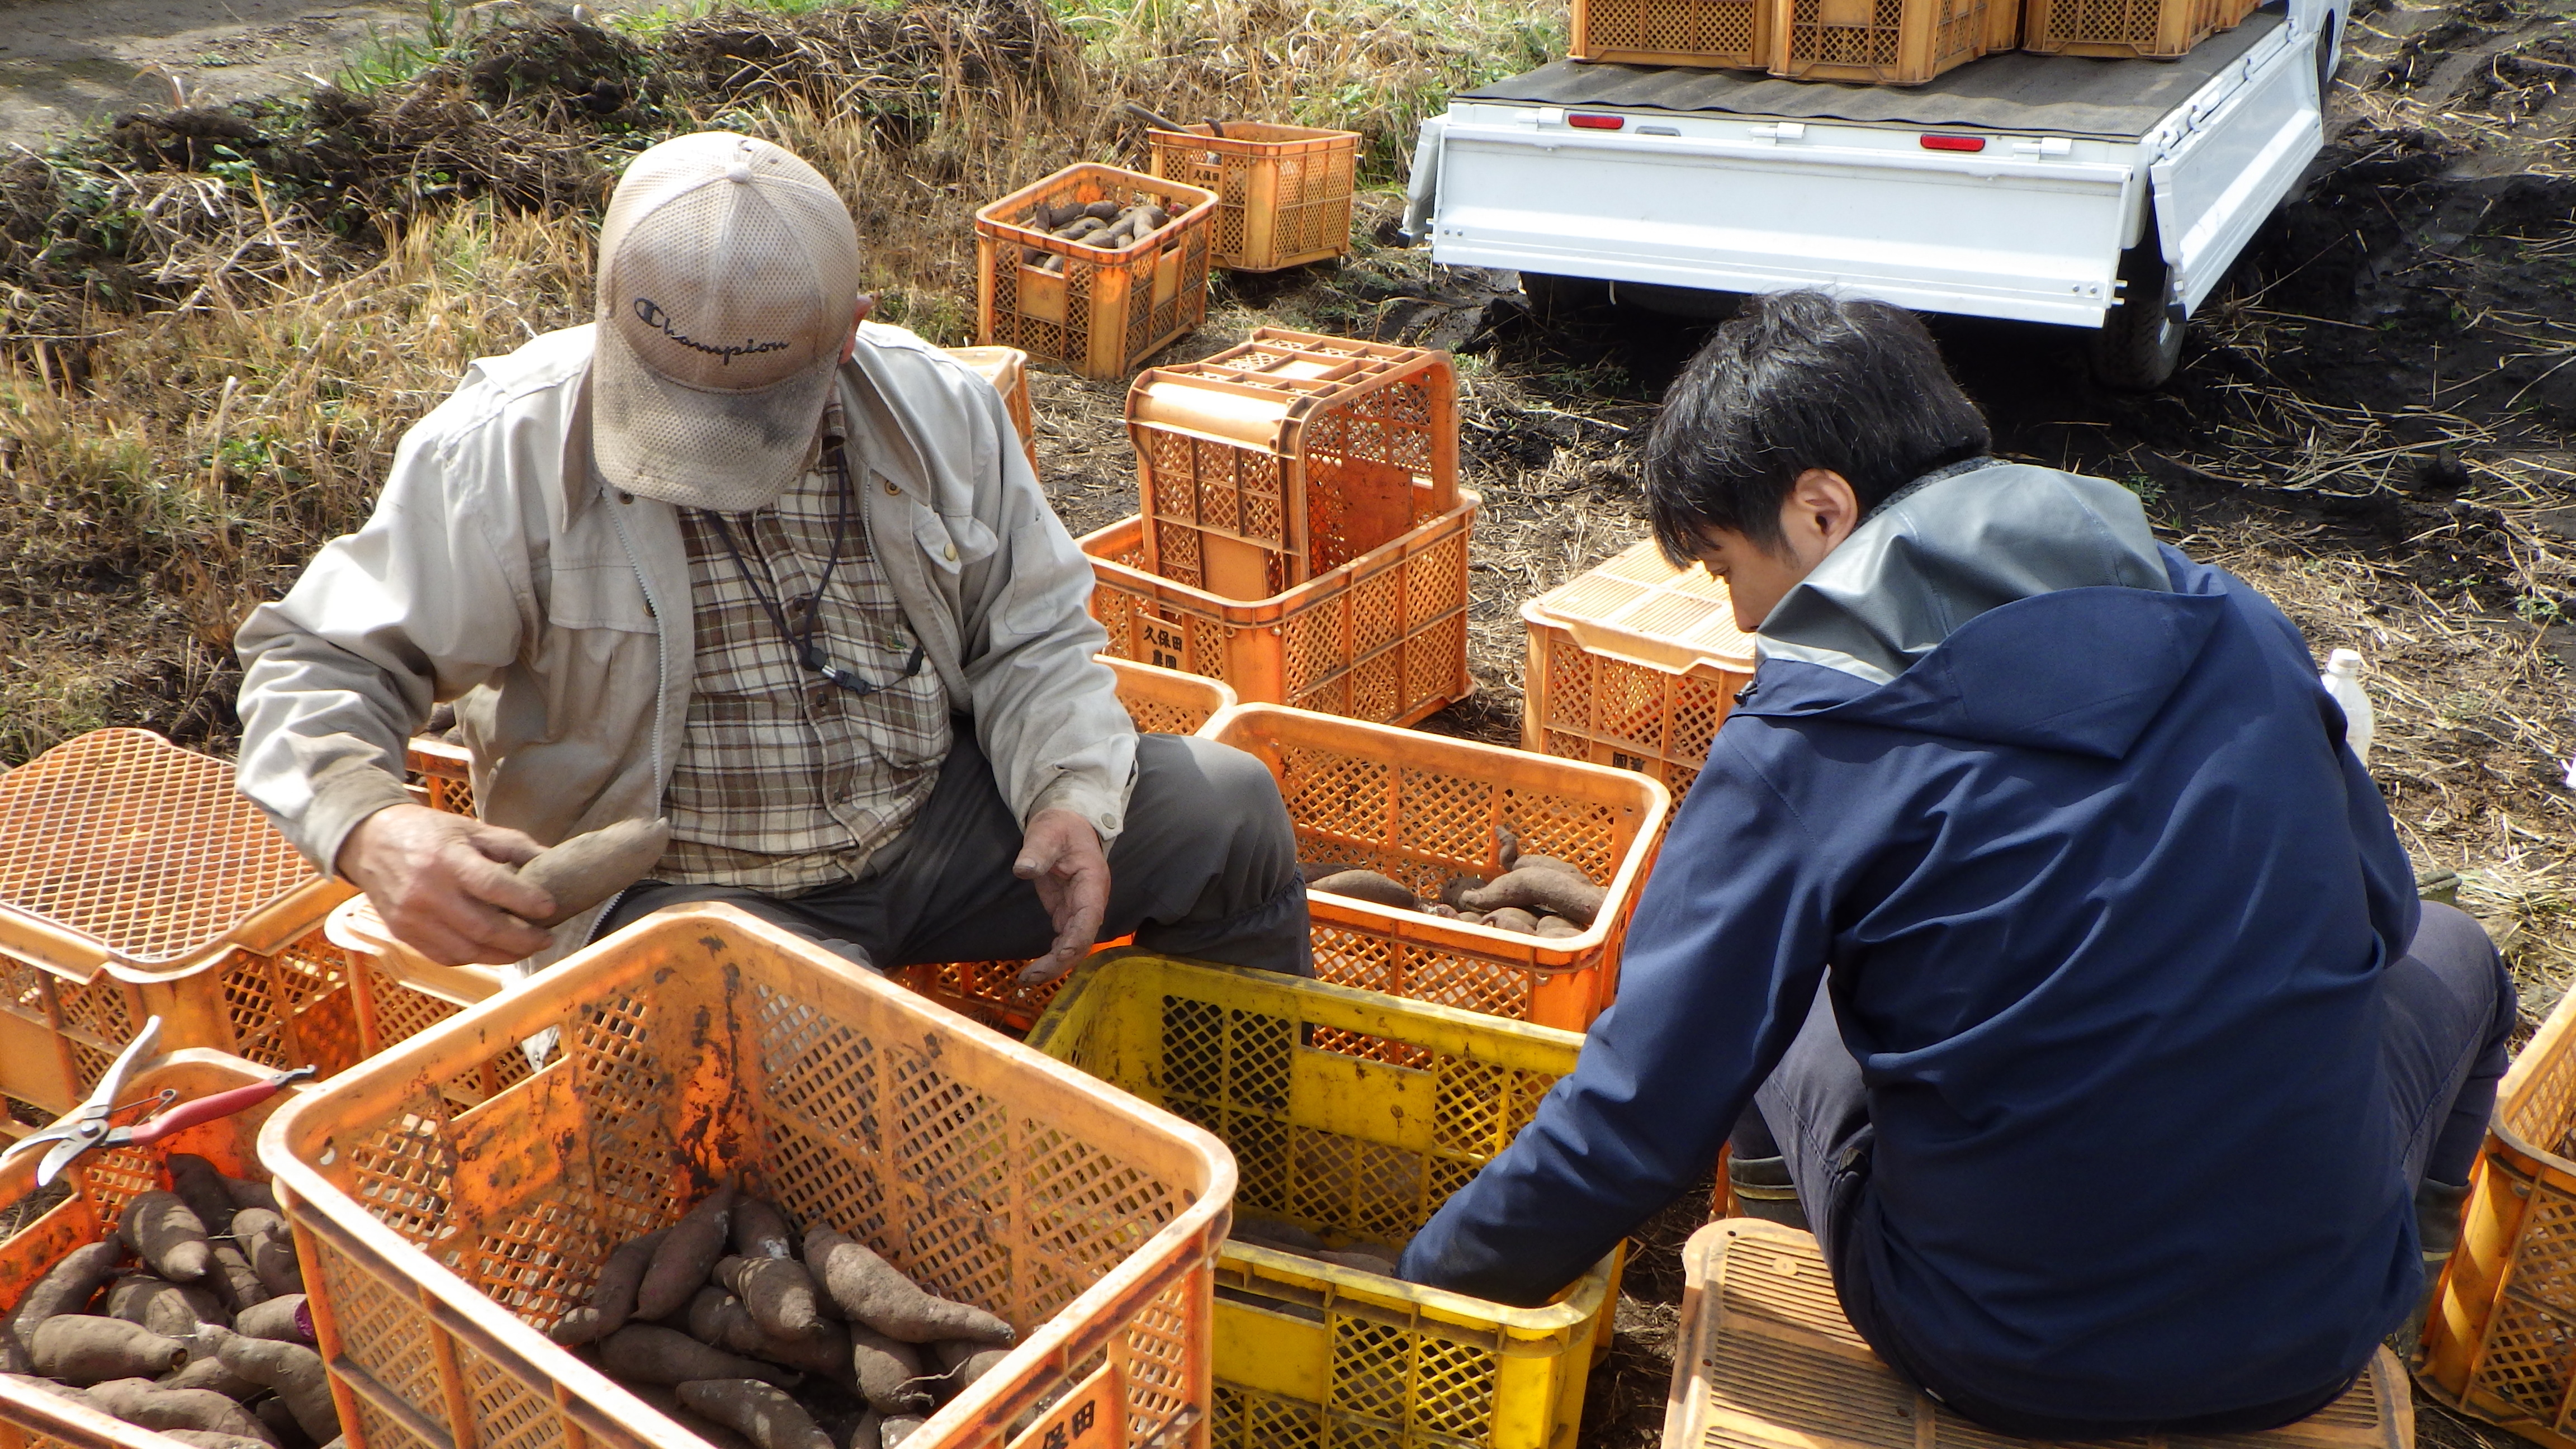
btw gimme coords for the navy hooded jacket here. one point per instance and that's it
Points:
(2105, 903)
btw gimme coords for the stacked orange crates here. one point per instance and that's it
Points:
(1727, 33)
(1283, 192)
(1098, 310)
(1633, 664)
(1875, 42)
(1303, 538)
(2120, 29)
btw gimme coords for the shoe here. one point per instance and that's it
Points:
(2437, 1230)
(1763, 1190)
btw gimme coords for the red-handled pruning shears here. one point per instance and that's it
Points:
(86, 1129)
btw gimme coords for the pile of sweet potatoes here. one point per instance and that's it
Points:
(747, 1335)
(1103, 224)
(1535, 895)
(190, 1320)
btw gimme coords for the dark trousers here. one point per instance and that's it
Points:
(2450, 1013)
(1207, 868)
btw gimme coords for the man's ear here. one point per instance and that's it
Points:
(858, 314)
(1822, 511)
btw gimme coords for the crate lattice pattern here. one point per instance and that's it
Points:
(1610, 712)
(1146, 324)
(967, 1195)
(1723, 30)
(1227, 1069)
(123, 837)
(1311, 210)
(1958, 33)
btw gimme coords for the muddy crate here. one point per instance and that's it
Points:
(1634, 665)
(1354, 1116)
(1734, 34)
(1098, 311)
(1383, 637)
(1281, 459)
(1883, 42)
(135, 881)
(2500, 1342)
(85, 1204)
(1420, 809)
(1283, 192)
(2118, 29)
(451, 1204)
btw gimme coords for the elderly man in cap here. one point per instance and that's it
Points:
(734, 557)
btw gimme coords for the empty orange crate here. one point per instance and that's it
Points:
(1283, 458)
(136, 881)
(1383, 637)
(100, 1186)
(1635, 665)
(2117, 29)
(2500, 1342)
(1882, 42)
(1107, 311)
(1714, 33)
(1422, 808)
(1007, 369)
(1283, 192)
(444, 1223)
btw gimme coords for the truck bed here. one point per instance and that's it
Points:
(2016, 91)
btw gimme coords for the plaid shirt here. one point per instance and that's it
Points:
(785, 781)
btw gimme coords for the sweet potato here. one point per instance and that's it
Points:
(167, 1237)
(1557, 926)
(897, 1429)
(1272, 1233)
(1549, 862)
(290, 1368)
(1369, 886)
(666, 1401)
(760, 1230)
(652, 1354)
(1364, 1262)
(764, 1415)
(208, 1372)
(264, 1239)
(869, 1290)
(1512, 918)
(201, 1187)
(612, 1298)
(246, 1194)
(83, 1349)
(66, 1288)
(720, 1320)
(856, 1429)
(1455, 888)
(889, 1372)
(46, 1385)
(285, 1319)
(594, 865)
(779, 1292)
(232, 1278)
(152, 1406)
(965, 1361)
(172, 1310)
(1549, 891)
(682, 1262)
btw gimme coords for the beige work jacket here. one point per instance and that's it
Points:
(502, 572)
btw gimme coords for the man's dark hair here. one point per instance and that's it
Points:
(1800, 380)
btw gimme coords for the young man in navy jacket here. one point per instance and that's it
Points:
(2032, 897)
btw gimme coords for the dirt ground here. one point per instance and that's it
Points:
(2375, 423)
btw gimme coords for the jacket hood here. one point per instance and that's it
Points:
(1995, 602)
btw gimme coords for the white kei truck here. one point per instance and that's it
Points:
(2109, 195)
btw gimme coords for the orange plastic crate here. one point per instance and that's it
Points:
(1635, 665)
(1007, 369)
(1108, 310)
(2119, 29)
(2500, 1342)
(1422, 808)
(1278, 460)
(443, 1224)
(1882, 42)
(101, 1184)
(1712, 33)
(136, 881)
(1283, 192)
(1383, 637)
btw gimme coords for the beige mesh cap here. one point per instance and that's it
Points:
(728, 269)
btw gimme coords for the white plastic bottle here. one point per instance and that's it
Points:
(2342, 679)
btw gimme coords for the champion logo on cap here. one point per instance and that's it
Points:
(654, 315)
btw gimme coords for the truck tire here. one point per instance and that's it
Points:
(2140, 343)
(1554, 300)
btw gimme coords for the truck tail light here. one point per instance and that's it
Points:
(1589, 122)
(1938, 142)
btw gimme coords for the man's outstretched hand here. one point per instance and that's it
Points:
(1061, 856)
(437, 881)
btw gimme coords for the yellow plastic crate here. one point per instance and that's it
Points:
(1633, 664)
(1354, 1115)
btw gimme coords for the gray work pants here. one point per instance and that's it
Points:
(1207, 868)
